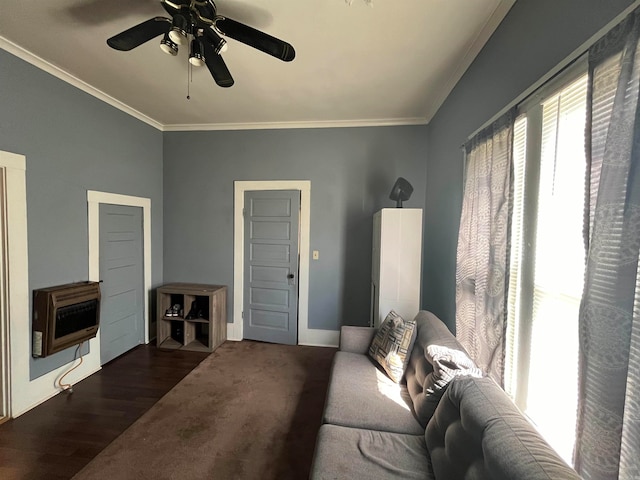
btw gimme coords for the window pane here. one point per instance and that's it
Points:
(516, 256)
(559, 269)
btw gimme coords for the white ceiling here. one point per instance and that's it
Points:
(393, 63)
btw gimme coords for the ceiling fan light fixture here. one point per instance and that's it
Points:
(196, 56)
(179, 29)
(223, 46)
(168, 46)
(219, 44)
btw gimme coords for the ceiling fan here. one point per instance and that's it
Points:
(200, 22)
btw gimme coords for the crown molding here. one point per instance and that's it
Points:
(57, 72)
(384, 122)
(65, 76)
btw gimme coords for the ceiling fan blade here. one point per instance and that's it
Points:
(256, 39)
(139, 34)
(216, 65)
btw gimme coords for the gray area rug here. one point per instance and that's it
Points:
(250, 410)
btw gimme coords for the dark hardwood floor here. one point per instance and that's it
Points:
(56, 439)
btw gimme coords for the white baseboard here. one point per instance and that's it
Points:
(51, 393)
(307, 337)
(319, 338)
(317, 345)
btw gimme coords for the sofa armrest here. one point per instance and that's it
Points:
(356, 339)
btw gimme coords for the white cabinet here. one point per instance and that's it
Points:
(397, 263)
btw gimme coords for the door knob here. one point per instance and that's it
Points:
(291, 275)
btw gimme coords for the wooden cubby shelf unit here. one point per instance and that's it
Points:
(200, 321)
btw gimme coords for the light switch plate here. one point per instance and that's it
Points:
(316, 254)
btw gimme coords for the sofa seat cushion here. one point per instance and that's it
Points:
(347, 453)
(478, 432)
(362, 396)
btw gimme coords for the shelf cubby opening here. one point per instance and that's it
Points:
(170, 344)
(178, 331)
(197, 308)
(169, 302)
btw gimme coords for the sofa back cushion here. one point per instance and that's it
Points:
(477, 432)
(419, 374)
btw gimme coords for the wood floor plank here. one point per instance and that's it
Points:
(58, 438)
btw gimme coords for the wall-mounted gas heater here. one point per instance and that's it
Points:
(64, 316)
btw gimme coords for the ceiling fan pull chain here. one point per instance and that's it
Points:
(189, 79)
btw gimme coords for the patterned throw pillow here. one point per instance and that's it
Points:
(392, 344)
(448, 364)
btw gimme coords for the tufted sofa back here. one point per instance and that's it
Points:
(430, 331)
(477, 432)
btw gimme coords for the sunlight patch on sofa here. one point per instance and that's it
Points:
(390, 390)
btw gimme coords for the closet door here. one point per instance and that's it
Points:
(121, 272)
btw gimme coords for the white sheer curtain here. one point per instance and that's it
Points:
(608, 433)
(482, 255)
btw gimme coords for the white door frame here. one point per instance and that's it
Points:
(25, 393)
(94, 199)
(236, 328)
(17, 325)
(306, 336)
(5, 409)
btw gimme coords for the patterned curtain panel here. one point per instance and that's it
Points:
(481, 266)
(608, 434)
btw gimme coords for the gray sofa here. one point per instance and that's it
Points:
(376, 429)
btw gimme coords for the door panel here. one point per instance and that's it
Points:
(270, 230)
(271, 266)
(269, 207)
(278, 253)
(121, 272)
(267, 319)
(269, 297)
(273, 274)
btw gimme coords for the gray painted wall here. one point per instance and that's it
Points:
(73, 143)
(351, 171)
(534, 37)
